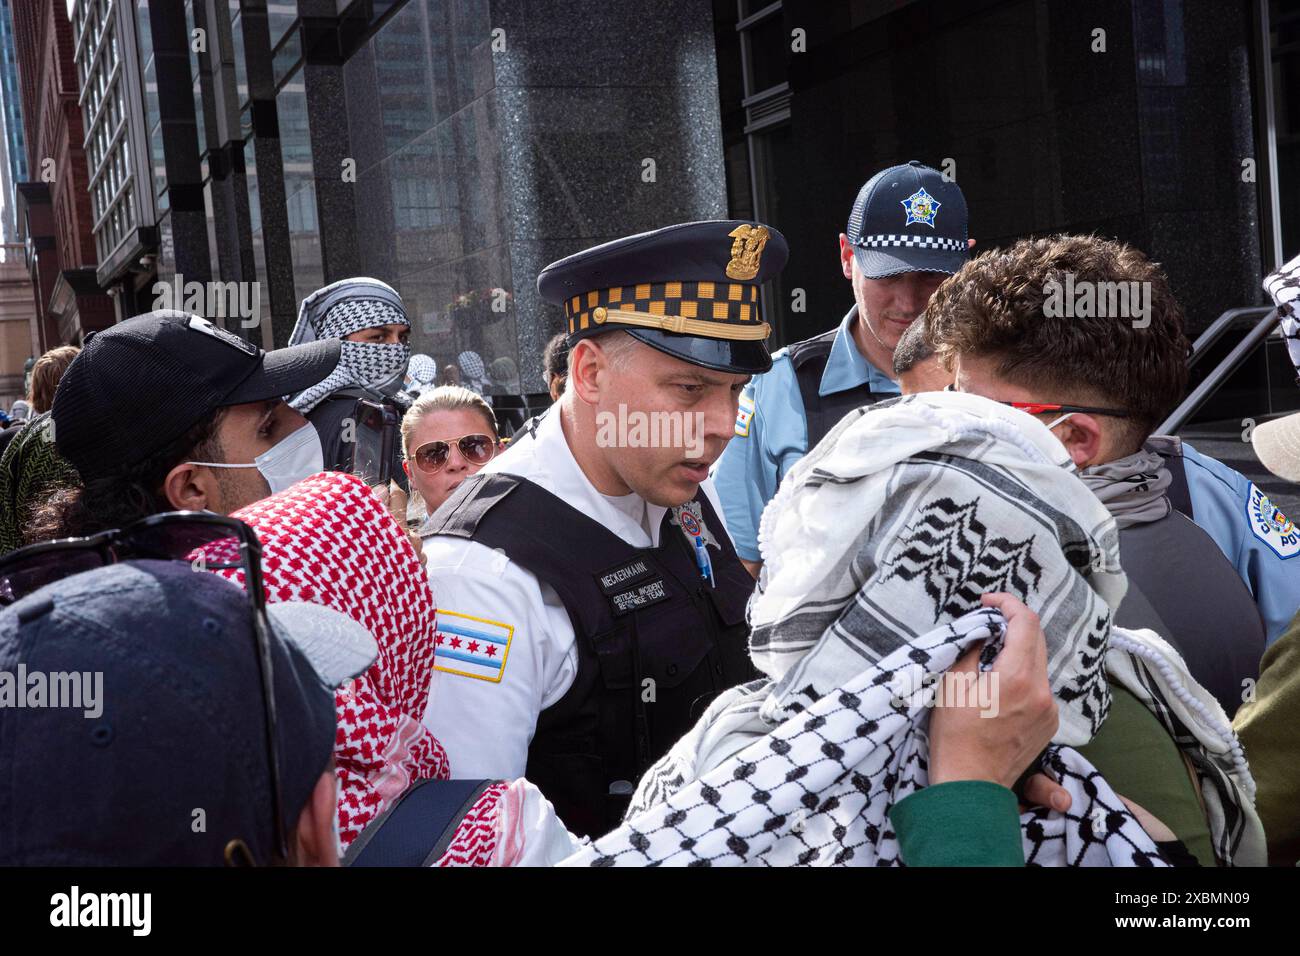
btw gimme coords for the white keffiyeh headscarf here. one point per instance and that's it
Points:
(338, 310)
(877, 548)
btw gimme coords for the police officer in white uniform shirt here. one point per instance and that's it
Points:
(590, 601)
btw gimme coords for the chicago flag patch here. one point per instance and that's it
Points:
(744, 413)
(1270, 525)
(471, 646)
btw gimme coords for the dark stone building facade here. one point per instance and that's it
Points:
(454, 147)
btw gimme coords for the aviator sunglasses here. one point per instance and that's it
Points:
(432, 456)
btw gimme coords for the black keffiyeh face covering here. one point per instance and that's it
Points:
(337, 311)
(360, 364)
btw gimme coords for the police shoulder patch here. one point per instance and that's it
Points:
(744, 414)
(471, 646)
(1270, 525)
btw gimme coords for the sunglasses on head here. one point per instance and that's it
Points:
(172, 536)
(432, 456)
(1044, 408)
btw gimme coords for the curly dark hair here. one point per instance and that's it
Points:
(996, 306)
(130, 494)
(555, 359)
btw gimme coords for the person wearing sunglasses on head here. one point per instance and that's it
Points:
(1101, 384)
(164, 762)
(448, 434)
(167, 411)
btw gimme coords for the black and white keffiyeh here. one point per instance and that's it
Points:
(338, 310)
(421, 374)
(1284, 287)
(816, 790)
(877, 548)
(473, 372)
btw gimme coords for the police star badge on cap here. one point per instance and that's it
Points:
(690, 291)
(887, 243)
(921, 207)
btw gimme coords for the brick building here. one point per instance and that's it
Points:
(54, 216)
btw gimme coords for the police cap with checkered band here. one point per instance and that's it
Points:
(690, 291)
(908, 218)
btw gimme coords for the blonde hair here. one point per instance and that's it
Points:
(445, 398)
(46, 373)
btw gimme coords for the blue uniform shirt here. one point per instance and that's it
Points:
(771, 434)
(1259, 540)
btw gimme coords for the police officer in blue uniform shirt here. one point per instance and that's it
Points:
(590, 602)
(1260, 541)
(907, 232)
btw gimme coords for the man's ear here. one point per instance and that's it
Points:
(406, 467)
(846, 257)
(315, 833)
(189, 487)
(1081, 436)
(586, 362)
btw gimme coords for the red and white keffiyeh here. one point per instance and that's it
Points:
(328, 540)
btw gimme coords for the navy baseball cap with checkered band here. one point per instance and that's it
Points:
(908, 218)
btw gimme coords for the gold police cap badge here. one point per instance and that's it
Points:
(747, 244)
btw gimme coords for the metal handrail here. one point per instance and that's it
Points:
(1206, 339)
(1201, 394)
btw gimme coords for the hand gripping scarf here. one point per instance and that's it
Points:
(340, 309)
(327, 540)
(876, 548)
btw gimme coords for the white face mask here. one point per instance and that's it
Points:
(287, 462)
(1057, 421)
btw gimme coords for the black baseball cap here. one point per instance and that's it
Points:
(689, 290)
(908, 218)
(143, 383)
(169, 765)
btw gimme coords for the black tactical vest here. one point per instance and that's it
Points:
(823, 412)
(655, 642)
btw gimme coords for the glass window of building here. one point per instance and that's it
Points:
(105, 111)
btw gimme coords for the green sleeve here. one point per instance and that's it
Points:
(961, 823)
(1267, 728)
(1140, 761)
